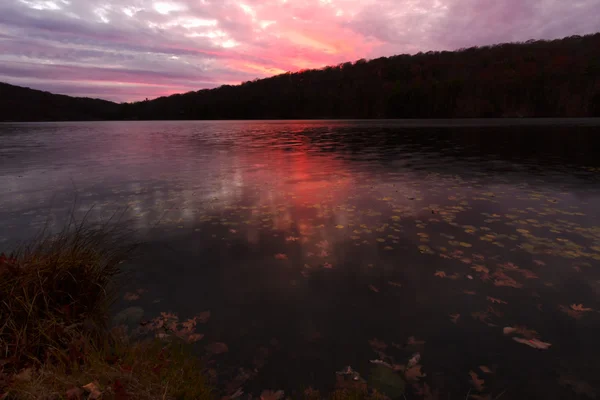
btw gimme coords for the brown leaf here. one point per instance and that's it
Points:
(570, 312)
(93, 389)
(131, 296)
(414, 342)
(441, 274)
(24, 375)
(281, 256)
(454, 318)
(521, 330)
(74, 393)
(495, 300)
(414, 373)
(373, 289)
(217, 348)
(470, 292)
(270, 395)
(579, 307)
(536, 344)
(485, 369)
(480, 268)
(194, 337)
(476, 382)
(203, 317)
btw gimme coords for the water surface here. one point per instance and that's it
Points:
(321, 244)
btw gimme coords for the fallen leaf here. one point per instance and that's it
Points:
(74, 393)
(131, 296)
(485, 369)
(579, 307)
(24, 375)
(454, 318)
(281, 256)
(203, 317)
(411, 341)
(373, 288)
(270, 395)
(521, 330)
(394, 284)
(471, 292)
(93, 389)
(441, 274)
(414, 360)
(194, 337)
(217, 348)
(476, 382)
(480, 268)
(536, 344)
(495, 300)
(413, 373)
(327, 266)
(570, 312)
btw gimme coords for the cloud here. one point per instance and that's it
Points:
(128, 50)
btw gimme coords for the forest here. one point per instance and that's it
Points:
(537, 78)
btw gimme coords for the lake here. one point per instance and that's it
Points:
(317, 245)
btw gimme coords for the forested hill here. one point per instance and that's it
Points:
(24, 104)
(558, 78)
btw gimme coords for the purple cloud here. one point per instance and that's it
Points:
(127, 50)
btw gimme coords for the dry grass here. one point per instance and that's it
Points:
(55, 295)
(58, 287)
(120, 369)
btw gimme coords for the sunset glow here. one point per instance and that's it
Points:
(128, 50)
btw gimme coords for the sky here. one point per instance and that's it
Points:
(129, 50)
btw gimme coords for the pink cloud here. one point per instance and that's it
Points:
(146, 48)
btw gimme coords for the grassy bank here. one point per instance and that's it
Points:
(55, 338)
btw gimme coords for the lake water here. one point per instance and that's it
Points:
(321, 244)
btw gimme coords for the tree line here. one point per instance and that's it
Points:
(537, 78)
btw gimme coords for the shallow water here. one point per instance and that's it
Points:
(307, 240)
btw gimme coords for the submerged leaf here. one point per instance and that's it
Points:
(217, 348)
(454, 318)
(477, 383)
(536, 344)
(373, 289)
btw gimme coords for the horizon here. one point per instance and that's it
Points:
(129, 50)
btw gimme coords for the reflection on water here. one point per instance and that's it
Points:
(307, 240)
